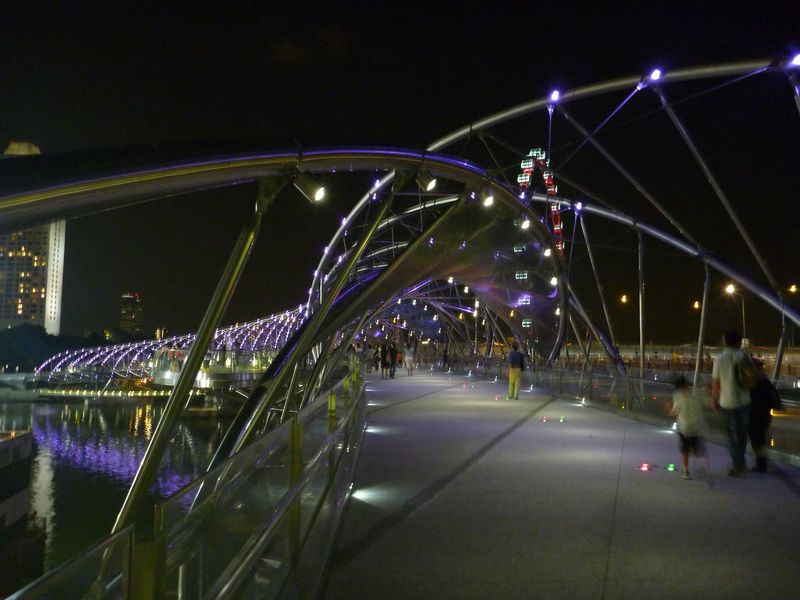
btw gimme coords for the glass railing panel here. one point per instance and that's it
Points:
(102, 573)
(237, 527)
(206, 523)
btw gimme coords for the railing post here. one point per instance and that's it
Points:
(628, 393)
(331, 429)
(346, 391)
(148, 561)
(295, 473)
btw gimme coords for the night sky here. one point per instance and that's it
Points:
(90, 75)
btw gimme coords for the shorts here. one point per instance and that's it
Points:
(690, 443)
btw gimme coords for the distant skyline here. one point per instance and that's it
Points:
(87, 76)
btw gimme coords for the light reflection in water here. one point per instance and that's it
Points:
(87, 456)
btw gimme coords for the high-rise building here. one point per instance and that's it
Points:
(130, 314)
(31, 268)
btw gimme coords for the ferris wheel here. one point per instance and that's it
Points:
(536, 161)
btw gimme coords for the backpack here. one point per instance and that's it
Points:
(746, 373)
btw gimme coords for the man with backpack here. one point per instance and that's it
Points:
(731, 398)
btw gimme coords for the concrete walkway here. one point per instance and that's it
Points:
(460, 493)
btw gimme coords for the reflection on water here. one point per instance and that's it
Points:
(86, 457)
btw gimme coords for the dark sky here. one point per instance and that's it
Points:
(88, 75)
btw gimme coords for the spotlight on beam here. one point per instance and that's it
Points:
(555, 95)
(487, 197)
(795, 62)
(309, 188)
(426, 181)
(655, 74)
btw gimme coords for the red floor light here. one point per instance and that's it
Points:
(645, 467)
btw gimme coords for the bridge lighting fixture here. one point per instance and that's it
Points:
(655, 74)
(555, 95)
(793, 288)
(796, 60)
(554, 281)
(526, 223)
(306, 185)
(450, 280)
(487, 197)
(426, 181)
(578, 207)
(548, 252)
(466, 289)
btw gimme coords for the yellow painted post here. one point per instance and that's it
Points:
(331, 429)
(295, 472)
(346, 390)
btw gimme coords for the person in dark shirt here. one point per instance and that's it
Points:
(392, 359)
(763, 398)
(516, 364)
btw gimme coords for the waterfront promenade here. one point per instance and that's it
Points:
(460, 493)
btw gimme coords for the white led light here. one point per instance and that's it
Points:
(655, 75)
(555, 95)
(554, 281)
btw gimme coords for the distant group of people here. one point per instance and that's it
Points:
(388, 356)
(743, 394)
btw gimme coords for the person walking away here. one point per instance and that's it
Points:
(516, 364)
(411, 357)
(392, 359)
(384, 361)
(763, 398)
(691, 425)
(731, 400)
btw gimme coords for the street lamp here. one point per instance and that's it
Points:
(731, 289)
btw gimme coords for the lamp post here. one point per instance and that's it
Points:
(731, 289)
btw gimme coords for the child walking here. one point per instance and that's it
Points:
(691, 424)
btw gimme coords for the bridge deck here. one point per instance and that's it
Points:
(462, 495)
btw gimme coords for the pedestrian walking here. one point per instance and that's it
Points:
(732, 401)
(763, 399)
(688, 413)
(516, 364)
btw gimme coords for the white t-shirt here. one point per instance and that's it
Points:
(731, 395)
(691, 421)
